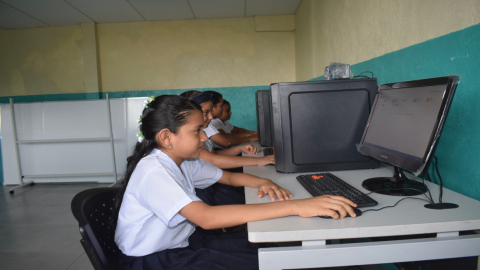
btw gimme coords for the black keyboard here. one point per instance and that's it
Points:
(267, 151)
(328, 184)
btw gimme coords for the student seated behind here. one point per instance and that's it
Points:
(157, 209)
(225, 141)
(227, 159)
(225, 128)
(224, 159)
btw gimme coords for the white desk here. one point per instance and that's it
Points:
(407, 218)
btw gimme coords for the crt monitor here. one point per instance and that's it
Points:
(317, 125)
(262, 98)
(403, 130)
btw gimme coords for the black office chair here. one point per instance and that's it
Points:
(93, 210)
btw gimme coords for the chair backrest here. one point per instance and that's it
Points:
(93, 209)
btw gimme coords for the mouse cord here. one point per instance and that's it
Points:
(430, 199)
(395, 204)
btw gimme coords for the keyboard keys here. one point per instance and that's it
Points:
(329, 184)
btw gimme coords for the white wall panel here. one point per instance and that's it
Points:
(69, 120)
(9, 160)
(61, 120)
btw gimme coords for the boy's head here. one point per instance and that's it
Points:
(217, 103)
(226, 111)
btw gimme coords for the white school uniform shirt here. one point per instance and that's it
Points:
(149, 220)
(209, 131)
(208, 145)
(219, 124)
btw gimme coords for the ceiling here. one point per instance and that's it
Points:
(15, 14)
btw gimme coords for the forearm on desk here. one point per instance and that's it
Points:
(242, 180)
(216, 217)
(230, 139)
(227, 162)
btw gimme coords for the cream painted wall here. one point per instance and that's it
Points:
(352, 31)
(147, 56)
(41, 61)
(193, 53)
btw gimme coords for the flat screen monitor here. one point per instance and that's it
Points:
(264, 130)
(403, 130)
(317, 124)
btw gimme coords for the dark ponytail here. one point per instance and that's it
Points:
(216, 97)
(165, 111)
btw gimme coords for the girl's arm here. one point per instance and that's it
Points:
(242, 130)
(228, 162)
(265, 186)
(248, 148)
(232, 139)
(216, 217)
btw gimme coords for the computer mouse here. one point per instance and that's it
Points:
(357, 211)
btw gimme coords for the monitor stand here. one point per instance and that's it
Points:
(398, 185)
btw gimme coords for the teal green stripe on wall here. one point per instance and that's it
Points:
(457, 53)
(242, 100)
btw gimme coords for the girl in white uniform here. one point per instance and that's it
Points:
(224, 159)
(226, 129)
(219, 138)
(219, 194)
(158, 208)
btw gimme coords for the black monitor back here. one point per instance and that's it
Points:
(317, 125)
(264, 130)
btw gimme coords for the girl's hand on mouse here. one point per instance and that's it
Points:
(325, 205)
(249, 149)
(272, 189)
(262, 161)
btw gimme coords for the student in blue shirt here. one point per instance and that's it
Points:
(158, 208)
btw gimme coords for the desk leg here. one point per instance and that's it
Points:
(369, 252)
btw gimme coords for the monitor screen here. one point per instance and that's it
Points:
(404, 121)
(403, 130)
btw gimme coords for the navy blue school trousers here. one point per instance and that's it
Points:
(207, 251)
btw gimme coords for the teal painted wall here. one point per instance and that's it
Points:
(457, 53)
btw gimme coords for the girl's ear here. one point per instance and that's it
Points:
(163, 138)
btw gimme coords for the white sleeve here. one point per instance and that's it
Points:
(204, 174)
(208, 145)
(229, 127)
(162, 195)
(210, 130)
(216, 124)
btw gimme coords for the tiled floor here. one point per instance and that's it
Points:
(38, 230)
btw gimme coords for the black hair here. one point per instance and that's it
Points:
(197, 96)
(216, 97)
(165, 111)
(191, 94)
(226, 102)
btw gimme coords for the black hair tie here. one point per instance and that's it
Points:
(202, 98)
